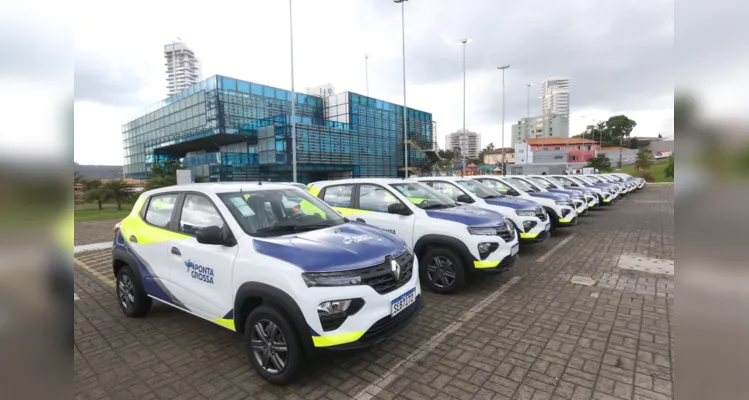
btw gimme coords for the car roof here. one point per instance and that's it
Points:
(351, 181)
(221, 187)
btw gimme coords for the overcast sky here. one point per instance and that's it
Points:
(617, 54)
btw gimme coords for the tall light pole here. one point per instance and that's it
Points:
(503, 68)
(528, 100)
(293, 97)
(464, 41)
(405, 110)
(366, 70)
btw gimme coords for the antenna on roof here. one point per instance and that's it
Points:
(259, 182)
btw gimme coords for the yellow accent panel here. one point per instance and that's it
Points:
(147, 234)
(579, 211)
(485, 264)
(138, 205)
(565, 220)
(415, 200)
(350, 211)
(333, 340)
(228, 323)
(314, 191)
(590, 205)
(524, 235)
(607, 201)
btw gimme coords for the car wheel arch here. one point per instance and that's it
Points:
(425, 242)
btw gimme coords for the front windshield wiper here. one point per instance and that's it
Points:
(437, 206)
(293, 228)
(493, 196)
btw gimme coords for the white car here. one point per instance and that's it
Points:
(549, 184)
(609, 191)
(559, 206)
(531, 221)
(578, 199)
(292, 283)
(449, 240)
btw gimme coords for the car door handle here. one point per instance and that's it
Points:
(133, 239)
(176, 251)
(361, 220)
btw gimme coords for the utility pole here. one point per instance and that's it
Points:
(293, 98)
(503, 68)
(366, 71)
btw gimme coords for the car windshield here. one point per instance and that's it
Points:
(563, 180)
(277, 212)
(523, 185)
(423, 196)
(495, 184)
(541, 182)
(479, 189)
(594, 179)
(579, 180)
(585, 179)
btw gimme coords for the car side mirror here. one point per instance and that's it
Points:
(399, 209)
(213, 235)
(464, 198)
(513, 192)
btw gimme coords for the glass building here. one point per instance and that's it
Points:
(226, 129)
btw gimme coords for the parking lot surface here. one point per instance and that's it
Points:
(529, 333)
(89, 232)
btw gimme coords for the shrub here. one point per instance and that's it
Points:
(646, 174)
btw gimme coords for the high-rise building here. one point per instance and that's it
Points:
(555, 96)
(226, 129)
(468, 142)
(541, 126)
(182, 67)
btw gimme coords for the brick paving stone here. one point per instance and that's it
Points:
(544, 338)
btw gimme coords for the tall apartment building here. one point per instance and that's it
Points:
(468, 142)
(182, 67)
(541, 126)
(555, 96)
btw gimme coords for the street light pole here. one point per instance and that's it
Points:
(293, 98)
(405, 109)
(528, 100)
(464, 41)
(366, 71)
(503, 68)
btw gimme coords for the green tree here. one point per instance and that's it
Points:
(619, 128)
(97, 194)
(670, 168)
(165, 174)
(90, 184)
(634, 143)
(601, 162)
(119, 191)
(644, 159)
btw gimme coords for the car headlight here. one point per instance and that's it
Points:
(525, 213)
(563, 203)
(482, 231)
(330, 279)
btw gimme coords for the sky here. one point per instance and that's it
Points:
(618, 56)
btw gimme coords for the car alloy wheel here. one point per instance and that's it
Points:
(126, 292)
(269, 346)
(441, 272)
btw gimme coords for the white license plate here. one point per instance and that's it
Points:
(514, 249)
(548, 226)
(401, 302)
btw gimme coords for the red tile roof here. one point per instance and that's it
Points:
(554, 141)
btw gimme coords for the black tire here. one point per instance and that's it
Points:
(292, 357)
(457, 267)
(137, 303)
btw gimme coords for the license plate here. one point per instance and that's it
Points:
(548, 226)
(514, 249)
(401, 302)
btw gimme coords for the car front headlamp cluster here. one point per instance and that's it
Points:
(525, 213)
(323, 279)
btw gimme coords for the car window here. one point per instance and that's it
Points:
(522, 185)
(159, 211)
(198, 212)
(375, 198)
(479, 189)
(541, 182)
(423, 196)
(338, 196)
(448, 189)
(496, 185)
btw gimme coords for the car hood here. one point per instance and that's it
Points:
(549, 195)
(567, 191)
(339, 248)
(514, 203)
(469, 216)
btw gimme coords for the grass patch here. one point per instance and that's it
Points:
(658, 170)
(91, 212)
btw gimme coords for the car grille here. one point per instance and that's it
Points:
(541, 214)
(506, 233)
(381, 278)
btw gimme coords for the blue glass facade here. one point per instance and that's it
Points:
(228, 129)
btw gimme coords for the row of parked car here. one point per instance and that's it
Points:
(334, 265)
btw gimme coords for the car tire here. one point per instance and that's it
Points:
(292, 358)
(131, 296)
(456, 265)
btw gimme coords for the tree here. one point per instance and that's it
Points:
(119, 191)
(634, 143)
(165, 174)
(644, 159)
(670, 167)
(601, 162)
(97, 194)
(660, 136)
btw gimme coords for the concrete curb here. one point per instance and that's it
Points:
(91, 247)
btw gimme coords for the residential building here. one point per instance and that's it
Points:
(182, 67)
(494, 157)
(468, 142)
(555, 150)
(541, 126)
(555, 96)
(226, 129)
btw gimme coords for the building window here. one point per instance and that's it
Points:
(557, 148)
(574, 158)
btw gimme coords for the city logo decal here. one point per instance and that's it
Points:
(199, 272)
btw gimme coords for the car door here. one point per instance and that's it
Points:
(450, 190)
(149, 237)
(371, 204)
(201, 274)
(340, 197)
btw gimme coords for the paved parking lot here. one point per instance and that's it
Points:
(525, 334)
(94, 231)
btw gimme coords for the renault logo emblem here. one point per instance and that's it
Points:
(395, 268)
